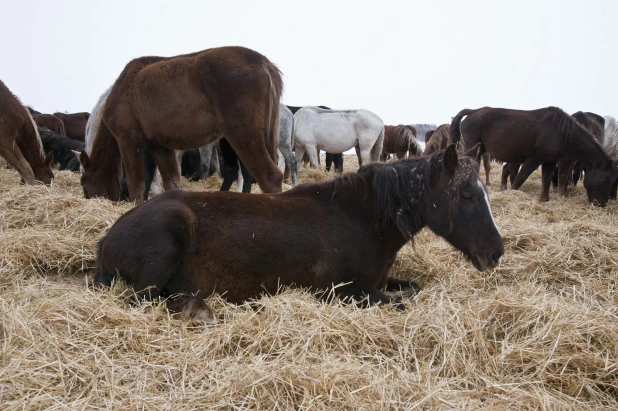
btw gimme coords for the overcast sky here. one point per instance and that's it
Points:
(407, 61)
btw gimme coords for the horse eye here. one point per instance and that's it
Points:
(467, 195)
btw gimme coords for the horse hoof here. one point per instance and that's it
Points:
(399, 305)
(193, 310)
(503, 187)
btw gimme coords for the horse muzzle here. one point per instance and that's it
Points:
(483, 263)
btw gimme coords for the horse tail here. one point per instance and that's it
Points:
(102, 276)
(275, 88)
(455, 132)
(61, 130)
(376, 150)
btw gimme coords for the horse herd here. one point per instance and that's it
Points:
(170, 116)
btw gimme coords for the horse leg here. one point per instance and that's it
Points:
(547, 172)
(527, 168)
(338, 158)
(564, 171)
(506, 168)
(329, 162)
(357, 149)
(395, 284)
(313, 156)
(400, 155)
(365, 156)
(205, 156)
(246, 177)
(301, 153)
(367, 294)
(13, 156)
(487, 165)
(132, 153)
(285, 149)
(513, 172)
(167, 163)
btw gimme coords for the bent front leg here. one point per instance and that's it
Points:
(367, 294)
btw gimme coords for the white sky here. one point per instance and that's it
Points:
(407, 61)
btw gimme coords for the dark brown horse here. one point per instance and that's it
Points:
(181, 103)
(401, 141)
(20, 143)
(74, 124)
(50, 122)
(438, 140)
(345, 232)
(537, 138)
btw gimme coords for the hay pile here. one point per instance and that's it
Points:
(539, 332)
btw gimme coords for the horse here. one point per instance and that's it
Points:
(401, 141)
(20, 143)
(50, 122)
(294, 109)
(180, 103)
(566, 171)
(438, 140)
(343, 233)
(611, 145)
(537, 138)
(74, 124)
(62, 148)
(336, 131)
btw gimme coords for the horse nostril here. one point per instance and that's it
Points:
(497, 256)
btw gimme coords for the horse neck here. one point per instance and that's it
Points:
(584, 147)
(104, 154)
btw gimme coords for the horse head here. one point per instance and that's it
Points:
(458, 209)
(93, 184)
(600, 182)
(42, 170)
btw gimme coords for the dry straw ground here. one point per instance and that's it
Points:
(539, 332)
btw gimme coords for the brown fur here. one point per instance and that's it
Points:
(74, 124)
(344, 231)
(401, 141)
(20, 143)
(428, 136)
(184, 102)
(534, 138)
(50, 122)
(438, 140)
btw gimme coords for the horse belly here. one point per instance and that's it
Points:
(335, 137)
(175, 113)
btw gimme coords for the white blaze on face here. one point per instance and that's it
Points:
(482, 186)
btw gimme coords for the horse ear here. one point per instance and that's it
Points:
(49, 158)
(83, 158)
(474, 151)
(449, 159)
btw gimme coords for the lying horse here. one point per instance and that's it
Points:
(438, 140)
(20, 143)
(534, 138)
(181, 103)
(74, 124)
(336, 131)
(401, 141)
(62, 148)
(50, 122)
(344, 233)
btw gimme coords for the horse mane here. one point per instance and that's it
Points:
(611, 137)
(94, 121)
(36, 133)
(565, 123)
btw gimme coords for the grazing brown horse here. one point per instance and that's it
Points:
(401, 141)
(438, 140)
(74, 124)
(537, 138)
(345, 232)
(181, 103)
(20, 143)
(50, 122)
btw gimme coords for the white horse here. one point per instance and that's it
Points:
(336, 131)
(611, 137)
